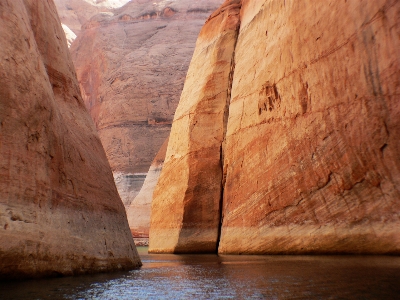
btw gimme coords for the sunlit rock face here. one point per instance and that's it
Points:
(139, 210)
(189, 188)
(108, 3)
(60, 213)
(69, 34)
(75, 13)
(310, 155)
(131, 64)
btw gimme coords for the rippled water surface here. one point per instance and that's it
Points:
(227, 277)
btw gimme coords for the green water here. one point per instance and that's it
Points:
(167, 276)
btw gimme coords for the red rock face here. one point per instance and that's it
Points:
(190, 183)
(59, 209)
(314, 136)
(311, 160)
(131, 66)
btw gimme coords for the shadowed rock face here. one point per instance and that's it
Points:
(60, 212)
(131, 65)
(311, 150)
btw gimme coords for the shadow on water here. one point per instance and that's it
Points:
(168, 276)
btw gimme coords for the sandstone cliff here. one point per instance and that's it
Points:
(138, 212)
(310, 155)
(131, 64)
(59, 209)
(189, 188)
(75, 13)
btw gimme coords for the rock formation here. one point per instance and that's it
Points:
(138, 212)
(190, 184)
(310, 154)
(69, 34)
(131, 64)
(75, 13)
(60, 212)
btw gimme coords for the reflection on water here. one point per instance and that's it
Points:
(227, 277)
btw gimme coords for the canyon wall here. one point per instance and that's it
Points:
(310, 156)
(189, 188)
(60, 213)
(139, 211)
(131, 63)
(74, 13)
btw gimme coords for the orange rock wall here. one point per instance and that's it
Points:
(311, 160)
(131, 65)
(139, 211)
(189, 188)
(313, 130)
(60, 212)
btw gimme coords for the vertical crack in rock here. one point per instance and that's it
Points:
(225, 124)
(323, 184)
(192, 177)
(315, 178)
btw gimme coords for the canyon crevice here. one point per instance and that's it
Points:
(189, 187)
(310, 152)
(60, 213)
(131, 64)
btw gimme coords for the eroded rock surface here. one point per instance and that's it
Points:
(139, 210)
(60, 212)
(75, 13)
(189, 188)
(311, 160)
(131, 65)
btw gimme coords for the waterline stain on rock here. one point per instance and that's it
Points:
(303, 170)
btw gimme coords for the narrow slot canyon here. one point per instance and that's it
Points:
(175, 149)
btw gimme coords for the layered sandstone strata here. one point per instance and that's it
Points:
(75, 13)
(131, 64)
(69, 34)
(189, 188)
(138, 212)
(60, 212)
(311, 161)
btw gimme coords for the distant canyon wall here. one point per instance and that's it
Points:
(75, 13)
(139, 211)
(60, 213)
(189, 188)
(131, 64)
(286, 139)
